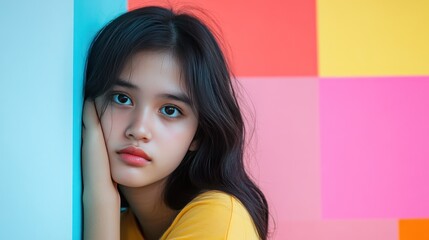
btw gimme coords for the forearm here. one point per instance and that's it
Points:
(101, 217)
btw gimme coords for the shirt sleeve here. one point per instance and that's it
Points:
(218, 216)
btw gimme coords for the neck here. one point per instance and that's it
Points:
(147, 204)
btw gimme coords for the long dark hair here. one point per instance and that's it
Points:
(217, 164)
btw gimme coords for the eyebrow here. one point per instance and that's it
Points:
(178, 97)
(125, 84)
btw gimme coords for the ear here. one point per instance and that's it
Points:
(193, 146)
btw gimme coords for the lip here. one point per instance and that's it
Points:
(134, 156)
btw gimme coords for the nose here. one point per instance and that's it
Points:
(139, 128)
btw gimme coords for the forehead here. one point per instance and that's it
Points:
(153, 67)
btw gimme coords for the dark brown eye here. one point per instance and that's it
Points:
(170, 111)
(121, 99)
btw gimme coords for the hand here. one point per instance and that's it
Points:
(95, 161)
(101, 200)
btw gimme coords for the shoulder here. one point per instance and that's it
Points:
(213, 215)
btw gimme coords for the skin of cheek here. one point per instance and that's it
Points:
(169, 143)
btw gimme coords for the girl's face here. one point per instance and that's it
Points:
(148, 110)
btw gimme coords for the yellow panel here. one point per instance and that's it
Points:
(373, 37)
(410, 229)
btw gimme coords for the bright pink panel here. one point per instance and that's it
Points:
(285, 157)
(338, 229)
(375, 147)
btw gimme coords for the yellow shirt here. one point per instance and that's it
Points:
(210, 215)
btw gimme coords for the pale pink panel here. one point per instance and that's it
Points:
(375, 147)
(285, 157)
(338, 229)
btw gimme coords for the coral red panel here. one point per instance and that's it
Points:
(276, 38)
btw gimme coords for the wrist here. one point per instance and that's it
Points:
(103, 199)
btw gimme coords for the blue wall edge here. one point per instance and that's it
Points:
(89, 17)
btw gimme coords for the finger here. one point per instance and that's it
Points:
(89, 117)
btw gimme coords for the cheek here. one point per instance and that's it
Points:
(173, 147)
(182, 134)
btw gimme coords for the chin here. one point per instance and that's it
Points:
(129, 179)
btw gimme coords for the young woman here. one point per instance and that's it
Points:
(163, 135)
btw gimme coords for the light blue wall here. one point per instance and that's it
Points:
(42, 49)
(36, 82)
